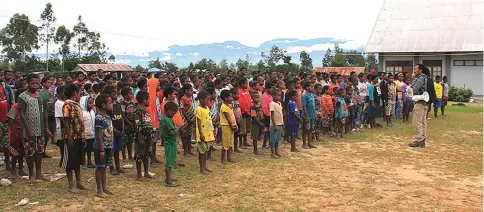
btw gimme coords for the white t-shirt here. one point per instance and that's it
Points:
(59, 104)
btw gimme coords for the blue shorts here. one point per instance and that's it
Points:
(292, 130)
(311, 125)
(118, 144)
(438, 103)
(107, 160)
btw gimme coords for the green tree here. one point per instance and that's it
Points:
(328, 57)
(190, 66)
(112, 58)
(169, 67)
(47, 29)
(274, 56)
(139, 68)
(63, 37)
(81, 34)
(242, 64)
(371, 62)
(223, 65)
(18, 38)
(155, 64)
(355, 59)
(339, 59)
(306, 60)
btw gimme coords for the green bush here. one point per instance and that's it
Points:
(459, 94)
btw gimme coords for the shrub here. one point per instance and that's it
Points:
(459, 94)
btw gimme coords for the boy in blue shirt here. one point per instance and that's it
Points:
(293, 119)
(308, 115)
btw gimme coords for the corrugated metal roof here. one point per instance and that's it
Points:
(340, 70)
(428, 26)
(104, 67)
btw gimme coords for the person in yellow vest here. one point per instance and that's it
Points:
(438, 94)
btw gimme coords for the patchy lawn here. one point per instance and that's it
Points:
(373, 170)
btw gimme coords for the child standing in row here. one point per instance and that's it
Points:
(341, 112)
(187, 109)
(74, 136)
(169, 132)
(229, 126)
(238, 140)
(128, 109)
(142, 135)
(16, 148)
(293, 119)
(118, 127)
(328, 110)
(308, 115)
(204, 129)
(277, 122)
(103, 143)
(87, 104)
(257, 119)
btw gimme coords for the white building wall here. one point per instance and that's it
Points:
(467, 76)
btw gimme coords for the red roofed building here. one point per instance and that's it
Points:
(86, 68)
(340, 70)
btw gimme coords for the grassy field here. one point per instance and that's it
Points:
(373, 170)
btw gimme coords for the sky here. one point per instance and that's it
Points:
(141, 26)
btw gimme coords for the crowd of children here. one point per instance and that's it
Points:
(90, 118)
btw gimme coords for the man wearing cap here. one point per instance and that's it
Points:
(419, 121)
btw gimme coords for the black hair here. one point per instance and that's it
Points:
(79, 72)
(438, 77)
(170, 106)
(307, 84)
(234, 90)
(242, 81)
(142, 82)
(445, 77)
(142, 95)
(209, 84)
(95, 87)
(125, 91)
(274, 91)
(268, 85)
(169, 90)
(20, 91)
(187, 87)
(101, 85)
(374, 76)
(109, 89)
(32, 76)
(332, 76)
(210, 90)
(107, 77)
(70, 90)
(289, 83)
(340, 91)
(218, 81)
(202, 95)
(325, 88)
(60, 89)
(101, 99)
(87, 86)
(224, 94)
(317, 85)
(291, 93)
(91, 73)
(44, 80)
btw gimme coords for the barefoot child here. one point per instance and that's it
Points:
(187, 109)
(118, 127)
(16, 148)
(257, 118)
(88, 114)
(293, 119)
(204, 130)
(238, 140)
(170, 132)
(266, 100)
(142, 135)
(59, 103)
(74, 135)
(103, 143)
(229, 126)
(33, 116)
(128, 108)
(328, 110)
(277, 122)
(341, 112)
(308, 115)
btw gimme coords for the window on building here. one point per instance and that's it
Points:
(435, 67)
(399, 66)
(467, 62)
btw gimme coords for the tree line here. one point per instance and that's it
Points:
(79, 45)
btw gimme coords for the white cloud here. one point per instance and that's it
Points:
(144, 60)
(123, 33)
(254, 53)
(123, 61)
(229, 47)
(313, 48)
(167, 54)
(195, 54)
(166, 57)
(178, 54)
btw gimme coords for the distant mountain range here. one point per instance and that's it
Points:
(233, 50)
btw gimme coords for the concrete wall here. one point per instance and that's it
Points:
(467, 76)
